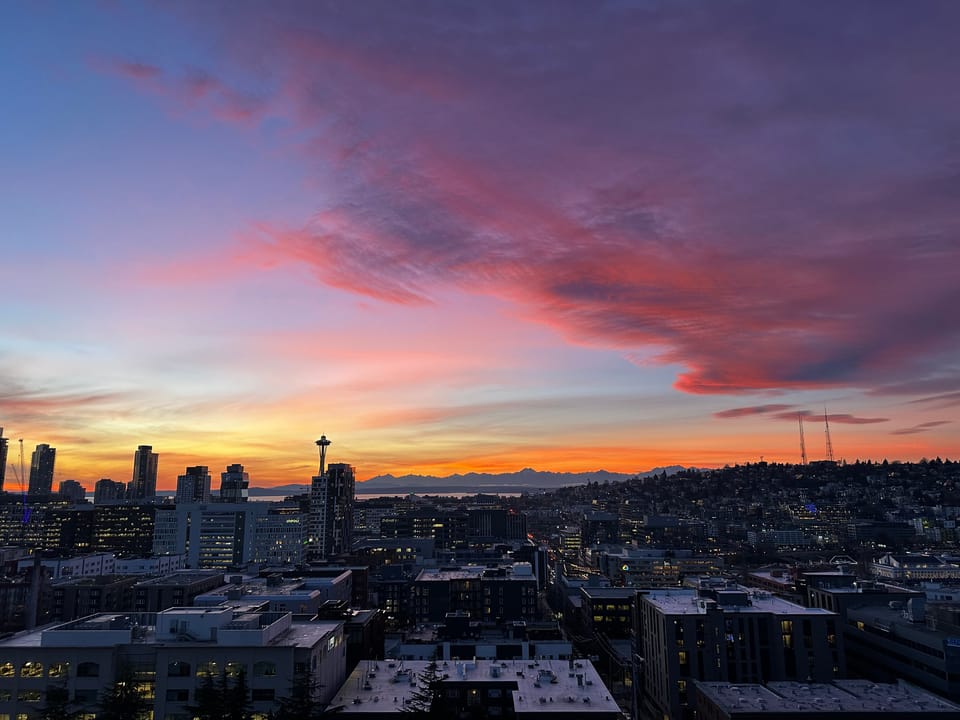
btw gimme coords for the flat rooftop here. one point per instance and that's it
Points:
(544, 686)
(836, 697)
(687, 602)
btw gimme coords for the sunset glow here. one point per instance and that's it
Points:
(478, 237)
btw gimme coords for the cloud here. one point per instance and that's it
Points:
(922, 427)
(752, 410)
(840, 418)
(764, 193)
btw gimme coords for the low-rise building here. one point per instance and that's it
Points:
(172, 653)
(556, 689)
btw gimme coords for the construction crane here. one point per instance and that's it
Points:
(803, 445)
(826, 430)
(21, 475)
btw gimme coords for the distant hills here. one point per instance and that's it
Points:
(526, 479)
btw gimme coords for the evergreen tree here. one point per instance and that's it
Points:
(57, 705)
(427, 699)
(299, 704)
(236, 698)
(123, 701)
(207, 700)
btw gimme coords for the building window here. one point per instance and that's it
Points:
(264, 668)
(58, 670)
(31, 668)
(235, 669)
(207, 669)
(88, 669)
(178, 695)
(178, 668)
(6, 669)
(262, 694)
(28, 696)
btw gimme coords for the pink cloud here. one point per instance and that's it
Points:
(771, 211)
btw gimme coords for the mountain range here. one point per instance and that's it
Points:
(526, 479)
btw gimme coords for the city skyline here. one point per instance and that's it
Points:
(478, 237)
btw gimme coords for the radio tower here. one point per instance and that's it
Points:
(826, 430)
(803, 445)
(322, 443)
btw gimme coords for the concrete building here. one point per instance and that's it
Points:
(568, 690)
(194, 485)
(723, 632)
(304, 596)
(844, 699)
(913, 568)
(72, 491)
(508, 592)
(234, 484)
(41, 470)
(174, 590)
(107, 491)
(143, 484)
(173, 653)
(653, 567)
(230, 535)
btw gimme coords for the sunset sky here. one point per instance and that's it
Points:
(478, 236)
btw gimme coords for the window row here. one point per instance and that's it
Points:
(35, 669)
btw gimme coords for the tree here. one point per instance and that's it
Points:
(236, 697)
(122, 701)
(57, 705)
(427, 699)
(207, 701)
(299, 704)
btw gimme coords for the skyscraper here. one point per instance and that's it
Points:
(234, 484)
(144, 482)
(3, 458)
(331, 511)
(194, 485)
(41, 470)
(108, 491)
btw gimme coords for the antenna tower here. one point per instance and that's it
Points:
(803, 445)
(826, 430)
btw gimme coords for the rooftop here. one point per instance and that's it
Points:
(546, 686)
(689, 602)
(838, 696)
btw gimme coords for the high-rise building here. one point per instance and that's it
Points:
(234, 484)
(194, 485)
(4, 446)
(73, 491)
(144, 481)
(331, 511)
(41, 470)
(107, 491)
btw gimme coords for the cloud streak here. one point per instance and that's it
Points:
(584, 164)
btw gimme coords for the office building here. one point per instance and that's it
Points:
(234, 484)
(144, 481)
(174, 653)
(194, 485)
(507, 592)
(41, 470)
(331, 511)
(722, 632)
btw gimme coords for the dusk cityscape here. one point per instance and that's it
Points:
(479, 360)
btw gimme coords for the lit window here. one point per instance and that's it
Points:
(31, 669)
(58, 670)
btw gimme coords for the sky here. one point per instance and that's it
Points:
(478, 236)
